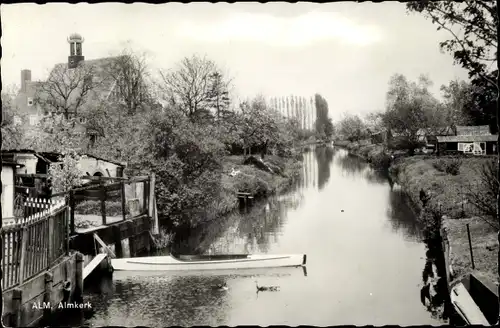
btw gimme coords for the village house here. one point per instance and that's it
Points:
(39, 162)
(103, 88)
(476, 140)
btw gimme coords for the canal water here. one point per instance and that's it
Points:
(364, 252)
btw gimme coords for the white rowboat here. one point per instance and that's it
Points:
(207, 262)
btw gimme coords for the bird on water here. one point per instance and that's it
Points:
(266, 288)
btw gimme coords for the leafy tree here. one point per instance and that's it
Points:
(218, 94)
(56, 134)
(373, 121)
(329, 128)
(472, 26)
(351, 127)
(186, 158)
(66, 174)
(260, 124)
(321, 115)
(459, 102)
(12, 131)
(409, 108)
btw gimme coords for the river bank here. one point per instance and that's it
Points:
(448, 182)
(375, 154)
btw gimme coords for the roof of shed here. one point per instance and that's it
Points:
(467, 138)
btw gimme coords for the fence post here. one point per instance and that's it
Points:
(470, 247)
(72, 211)
(79, 277)
(24, 240)
(145, 194)
(66, 215)
(124, 212)
(152, 204)
(17, 297)
(48, 295)
(50, 234)
(103, 202)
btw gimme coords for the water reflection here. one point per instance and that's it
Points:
(365, 265)
(324, 157)
(402, 217)
(249, 232)
(350, 164)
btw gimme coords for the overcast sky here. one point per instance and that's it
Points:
(344, 51)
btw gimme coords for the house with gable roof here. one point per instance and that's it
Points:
(99, 84)
(476, 140)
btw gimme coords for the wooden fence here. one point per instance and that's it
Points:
(34, 245)
(106, 190)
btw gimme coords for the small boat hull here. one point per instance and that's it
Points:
(466, 307)
(170, 263)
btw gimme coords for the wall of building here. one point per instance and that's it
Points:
(94, 166)
(29, 161)
(7, 192)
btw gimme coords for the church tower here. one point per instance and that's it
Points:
(75, 41)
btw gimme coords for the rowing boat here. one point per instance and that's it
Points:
(207, 262)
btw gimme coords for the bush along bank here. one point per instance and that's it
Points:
(375, 154)
(460, 191)
(260, 178)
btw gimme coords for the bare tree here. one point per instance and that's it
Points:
(189, 85)
(129, 73)
(66, 90)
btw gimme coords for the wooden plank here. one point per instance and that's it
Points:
(31, 175)
(33, 287)
(99, 240)
(123, 200)
(93, 264)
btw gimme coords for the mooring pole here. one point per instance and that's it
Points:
(470, 247)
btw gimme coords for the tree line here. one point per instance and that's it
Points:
(179, 125)
(410, 106)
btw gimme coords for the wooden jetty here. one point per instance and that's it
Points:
(46, 258)
(245, 198)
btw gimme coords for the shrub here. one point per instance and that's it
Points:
(484, 198)
(451, 166)
(381, 161)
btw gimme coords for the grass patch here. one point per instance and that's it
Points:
(448, 192)
(484, 247)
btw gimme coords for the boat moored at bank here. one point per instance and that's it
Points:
(207, 262)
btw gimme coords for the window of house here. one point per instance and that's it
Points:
(30, 101)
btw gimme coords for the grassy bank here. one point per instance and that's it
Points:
(448, 181)
(254, 180)
(374, 154)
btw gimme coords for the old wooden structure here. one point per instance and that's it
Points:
(47, 254)
(38, 267)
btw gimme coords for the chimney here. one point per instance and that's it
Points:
(25, 77)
